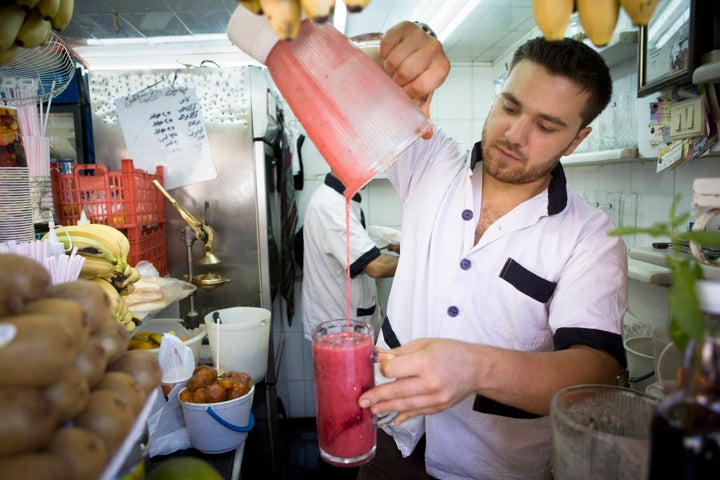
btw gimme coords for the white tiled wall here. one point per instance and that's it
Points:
(460, 107)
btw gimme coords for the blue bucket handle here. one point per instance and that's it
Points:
(221, 421)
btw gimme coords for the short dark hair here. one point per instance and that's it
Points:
(576, 61)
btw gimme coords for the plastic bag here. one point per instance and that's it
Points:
(177, 360)
(166, 426)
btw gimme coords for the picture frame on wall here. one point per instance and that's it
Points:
(668, 48)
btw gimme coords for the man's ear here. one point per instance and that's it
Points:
(581, 135)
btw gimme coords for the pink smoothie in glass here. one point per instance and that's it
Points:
(343, 367)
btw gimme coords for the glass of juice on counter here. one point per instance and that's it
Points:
(342, 353)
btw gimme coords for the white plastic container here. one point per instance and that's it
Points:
(164, 325)
(219, 427)
(241, 339)
(641, 362)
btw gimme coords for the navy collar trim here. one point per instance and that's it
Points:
(557, 190)
(332, 182)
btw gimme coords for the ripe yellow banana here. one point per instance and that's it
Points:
(106, 233)
(111, 237)
(63, 16)
(553, 17)
(131, 276)
(96, 267)
(598, 18)
(33, 31)
(284, 17)
(318, 10)
(48, 8)
(118, 307)
(11, 19)
(26, 4)
(639, 11)
(355, 6)
(9, 54)
(127, 289)
(130, 321)
(90, 248)
(252, 5)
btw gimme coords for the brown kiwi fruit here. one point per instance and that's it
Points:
(91, 360)
(202, 376)
(82, 449)
(27, 421)
(69, 394)
(215, 393)
(108, 415)
(142, 365)
(68, 312)
(90, 296)
(41, 349)
(115, 338)
(126, 385)
(23, 279)
(31, 465)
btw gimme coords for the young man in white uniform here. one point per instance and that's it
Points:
(509, 287)
(324, 289)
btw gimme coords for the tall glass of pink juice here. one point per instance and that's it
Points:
(343, 367)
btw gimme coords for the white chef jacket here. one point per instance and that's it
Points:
(543, 277)
(324, 289)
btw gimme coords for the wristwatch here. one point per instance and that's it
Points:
(426, 28)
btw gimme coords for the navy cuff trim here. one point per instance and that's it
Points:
(491, 407)
(358, 266)
(608, 342)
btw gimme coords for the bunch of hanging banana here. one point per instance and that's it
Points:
(105, 250)
(597, 17)
(27, 24)
(118, 306)
(284, 15)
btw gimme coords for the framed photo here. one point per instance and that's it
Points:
(669, 49)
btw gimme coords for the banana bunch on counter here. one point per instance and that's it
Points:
(284, 15)
(27, 24)
(597, 17)
(105, 250)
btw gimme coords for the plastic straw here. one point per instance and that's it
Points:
(217, 346)
(47, 114)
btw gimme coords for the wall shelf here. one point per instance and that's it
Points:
(602, 157)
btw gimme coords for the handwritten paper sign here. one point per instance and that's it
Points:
(165, 127)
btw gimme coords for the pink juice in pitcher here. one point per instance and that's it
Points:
(343, 370)
(355, 115)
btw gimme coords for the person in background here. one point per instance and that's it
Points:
(324, 290)
(509, 287)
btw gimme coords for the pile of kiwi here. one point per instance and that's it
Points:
(70, 390)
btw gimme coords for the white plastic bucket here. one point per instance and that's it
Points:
(243, 336)
(219, 427)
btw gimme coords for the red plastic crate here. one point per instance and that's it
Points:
(148, 243)
(125, 199)
(122, 199)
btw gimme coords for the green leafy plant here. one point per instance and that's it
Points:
(685, 316)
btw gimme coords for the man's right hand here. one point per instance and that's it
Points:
(416, 61)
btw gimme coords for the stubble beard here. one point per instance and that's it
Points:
(518, 174)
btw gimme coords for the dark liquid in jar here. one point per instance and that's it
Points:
(686, 440)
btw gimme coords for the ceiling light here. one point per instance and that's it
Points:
(210, 37)
(444, 17)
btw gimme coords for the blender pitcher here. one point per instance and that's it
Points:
(356, 116)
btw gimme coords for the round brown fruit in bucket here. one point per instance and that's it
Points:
(206, 387)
